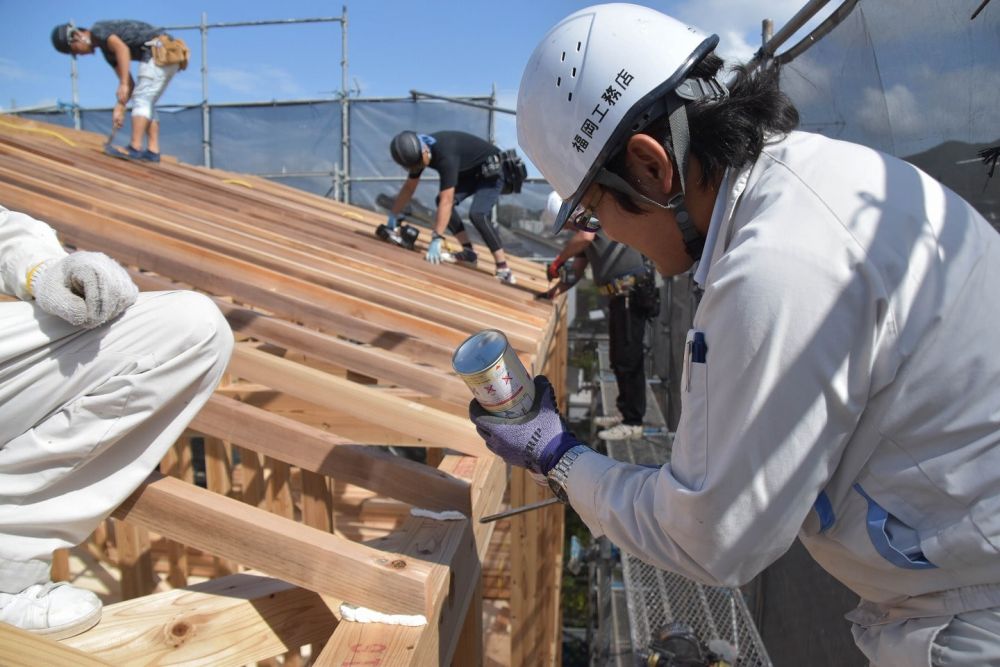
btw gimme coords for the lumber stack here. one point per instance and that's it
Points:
(343, 348)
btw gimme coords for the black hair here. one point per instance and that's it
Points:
(729, 133)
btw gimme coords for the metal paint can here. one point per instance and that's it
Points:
(498, 380)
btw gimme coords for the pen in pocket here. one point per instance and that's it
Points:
(699, 350)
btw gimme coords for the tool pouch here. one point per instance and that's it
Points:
(508, 165)
(168, 50)
(647, 297)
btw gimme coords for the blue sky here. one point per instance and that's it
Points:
(446, 48)
(393, 46)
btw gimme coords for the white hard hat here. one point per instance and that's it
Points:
(552, 206)
(598, 76)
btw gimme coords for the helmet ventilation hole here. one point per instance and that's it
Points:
(570, 98)
(574, 72)
(563, 59)
(558, 81)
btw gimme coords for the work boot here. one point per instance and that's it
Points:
(56, 610)
(604, 421)
(468, 257)
(506, 276)
(621, 432)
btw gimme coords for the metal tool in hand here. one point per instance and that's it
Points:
(519, 510)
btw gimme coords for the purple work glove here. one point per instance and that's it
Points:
(535, 441)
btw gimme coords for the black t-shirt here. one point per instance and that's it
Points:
(609, 259)
(455, 153)
(135, 34)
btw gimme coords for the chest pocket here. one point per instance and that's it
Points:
(689, 461)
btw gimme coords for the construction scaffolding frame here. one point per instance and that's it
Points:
(341, 176)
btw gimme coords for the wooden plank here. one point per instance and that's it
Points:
(448, 543)
(135, 563)
(469, 650)
(296, 553)
(308, 215)
(406, 360)
(218, 479)
(427, 426)
(401, 294)
(293, 298)
(321, 452)
(20, 648)
(386, 366)
(232, 620)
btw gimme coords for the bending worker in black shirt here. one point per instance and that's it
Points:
(458, 157)
(623, 275)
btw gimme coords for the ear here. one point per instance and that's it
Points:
(648, 162)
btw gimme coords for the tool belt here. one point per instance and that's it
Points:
(509, 165)
(623, 284)
(168, 50)
(641, 290)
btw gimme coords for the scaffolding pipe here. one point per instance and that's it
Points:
(203, 27)
(801, 17)
(766, 32)
(344, 193)
(457, 100)
(818, 33)
(76, 94)
(206, 120)
(75, 78)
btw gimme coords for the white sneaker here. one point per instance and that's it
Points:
(506, 276)
(56, 610)
(621, 432)
(605, 421)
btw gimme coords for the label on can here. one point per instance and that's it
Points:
(492, 370)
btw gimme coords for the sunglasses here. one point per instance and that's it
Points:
(582, 218)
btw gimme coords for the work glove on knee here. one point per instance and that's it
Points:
(84, 288)
(535, 441)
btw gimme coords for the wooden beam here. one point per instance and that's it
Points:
(219, 274)
(20, 648)
(418, 365)
(230, 621)
(296, 553)
(321, 452)
(427, 426)
(449, 543)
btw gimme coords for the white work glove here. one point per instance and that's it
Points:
(84, 288)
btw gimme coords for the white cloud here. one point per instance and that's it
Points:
(738, 24)
(11, 71)
(278, 81)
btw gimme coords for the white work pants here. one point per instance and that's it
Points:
(151, 81)
(86, 415)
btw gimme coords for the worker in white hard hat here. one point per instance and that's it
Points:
(840, 384)
(97, 381)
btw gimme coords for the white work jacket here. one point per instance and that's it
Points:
(849, 394)
(24, 242)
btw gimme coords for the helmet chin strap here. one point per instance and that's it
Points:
(678, 146)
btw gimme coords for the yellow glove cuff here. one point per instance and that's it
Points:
(30, 276)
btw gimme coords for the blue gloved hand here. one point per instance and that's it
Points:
(391, 222)
(535, 441)
(434, 250)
